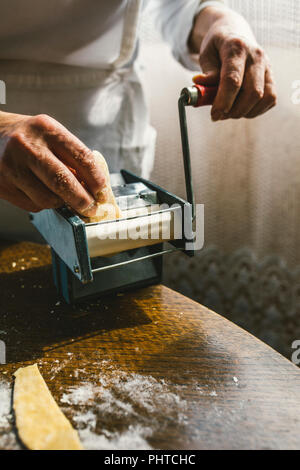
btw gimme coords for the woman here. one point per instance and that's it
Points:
(73, 65)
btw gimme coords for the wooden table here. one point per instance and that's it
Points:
(167, 372)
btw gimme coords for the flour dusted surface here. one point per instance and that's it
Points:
(8, 438)
(126, 409)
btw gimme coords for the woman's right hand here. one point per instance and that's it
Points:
(35, 166)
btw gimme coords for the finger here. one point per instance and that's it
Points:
(252, 91)
(269, 99)
(207, 79)
(210, 65)
(259, 111)
(19, 199)
(231, 78)
(37, 192)
(74, 153)
(60, 180)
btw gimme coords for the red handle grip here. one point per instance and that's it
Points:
(206, 95)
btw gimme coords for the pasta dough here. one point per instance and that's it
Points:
(41, 424)
(107, 206)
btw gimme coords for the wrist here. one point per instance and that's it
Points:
(211, 17)
(202, 24)
(9, 122)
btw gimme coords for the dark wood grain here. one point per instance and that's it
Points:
(233, 391)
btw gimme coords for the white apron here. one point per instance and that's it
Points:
(105, 108)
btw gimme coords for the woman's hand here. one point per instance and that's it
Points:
(38, 163)
(231, 58)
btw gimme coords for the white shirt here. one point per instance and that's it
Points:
(86, 33)
(75, 60)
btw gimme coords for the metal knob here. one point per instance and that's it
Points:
(199, 95)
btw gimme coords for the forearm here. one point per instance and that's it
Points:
(213, 16)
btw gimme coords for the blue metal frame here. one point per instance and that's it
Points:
(72, 266)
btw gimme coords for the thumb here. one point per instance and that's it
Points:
(208, 78)
(210, 64)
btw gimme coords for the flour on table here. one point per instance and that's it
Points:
(7, 436)
(78, 395)
(113, 409)
(122, 410)
(134, 439)
(5, 402)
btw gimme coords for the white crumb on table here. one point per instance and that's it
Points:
(78, 395)
(132, 439)
(7, 435)
(5, 398)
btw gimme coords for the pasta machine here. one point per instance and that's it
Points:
(93, 259)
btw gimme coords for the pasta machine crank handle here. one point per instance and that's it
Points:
(196, 96)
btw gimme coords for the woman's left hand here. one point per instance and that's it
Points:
(231, 58)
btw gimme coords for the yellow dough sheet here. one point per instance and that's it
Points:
(40, 422)
(107, 207)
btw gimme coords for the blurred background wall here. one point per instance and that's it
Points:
(247, 173)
